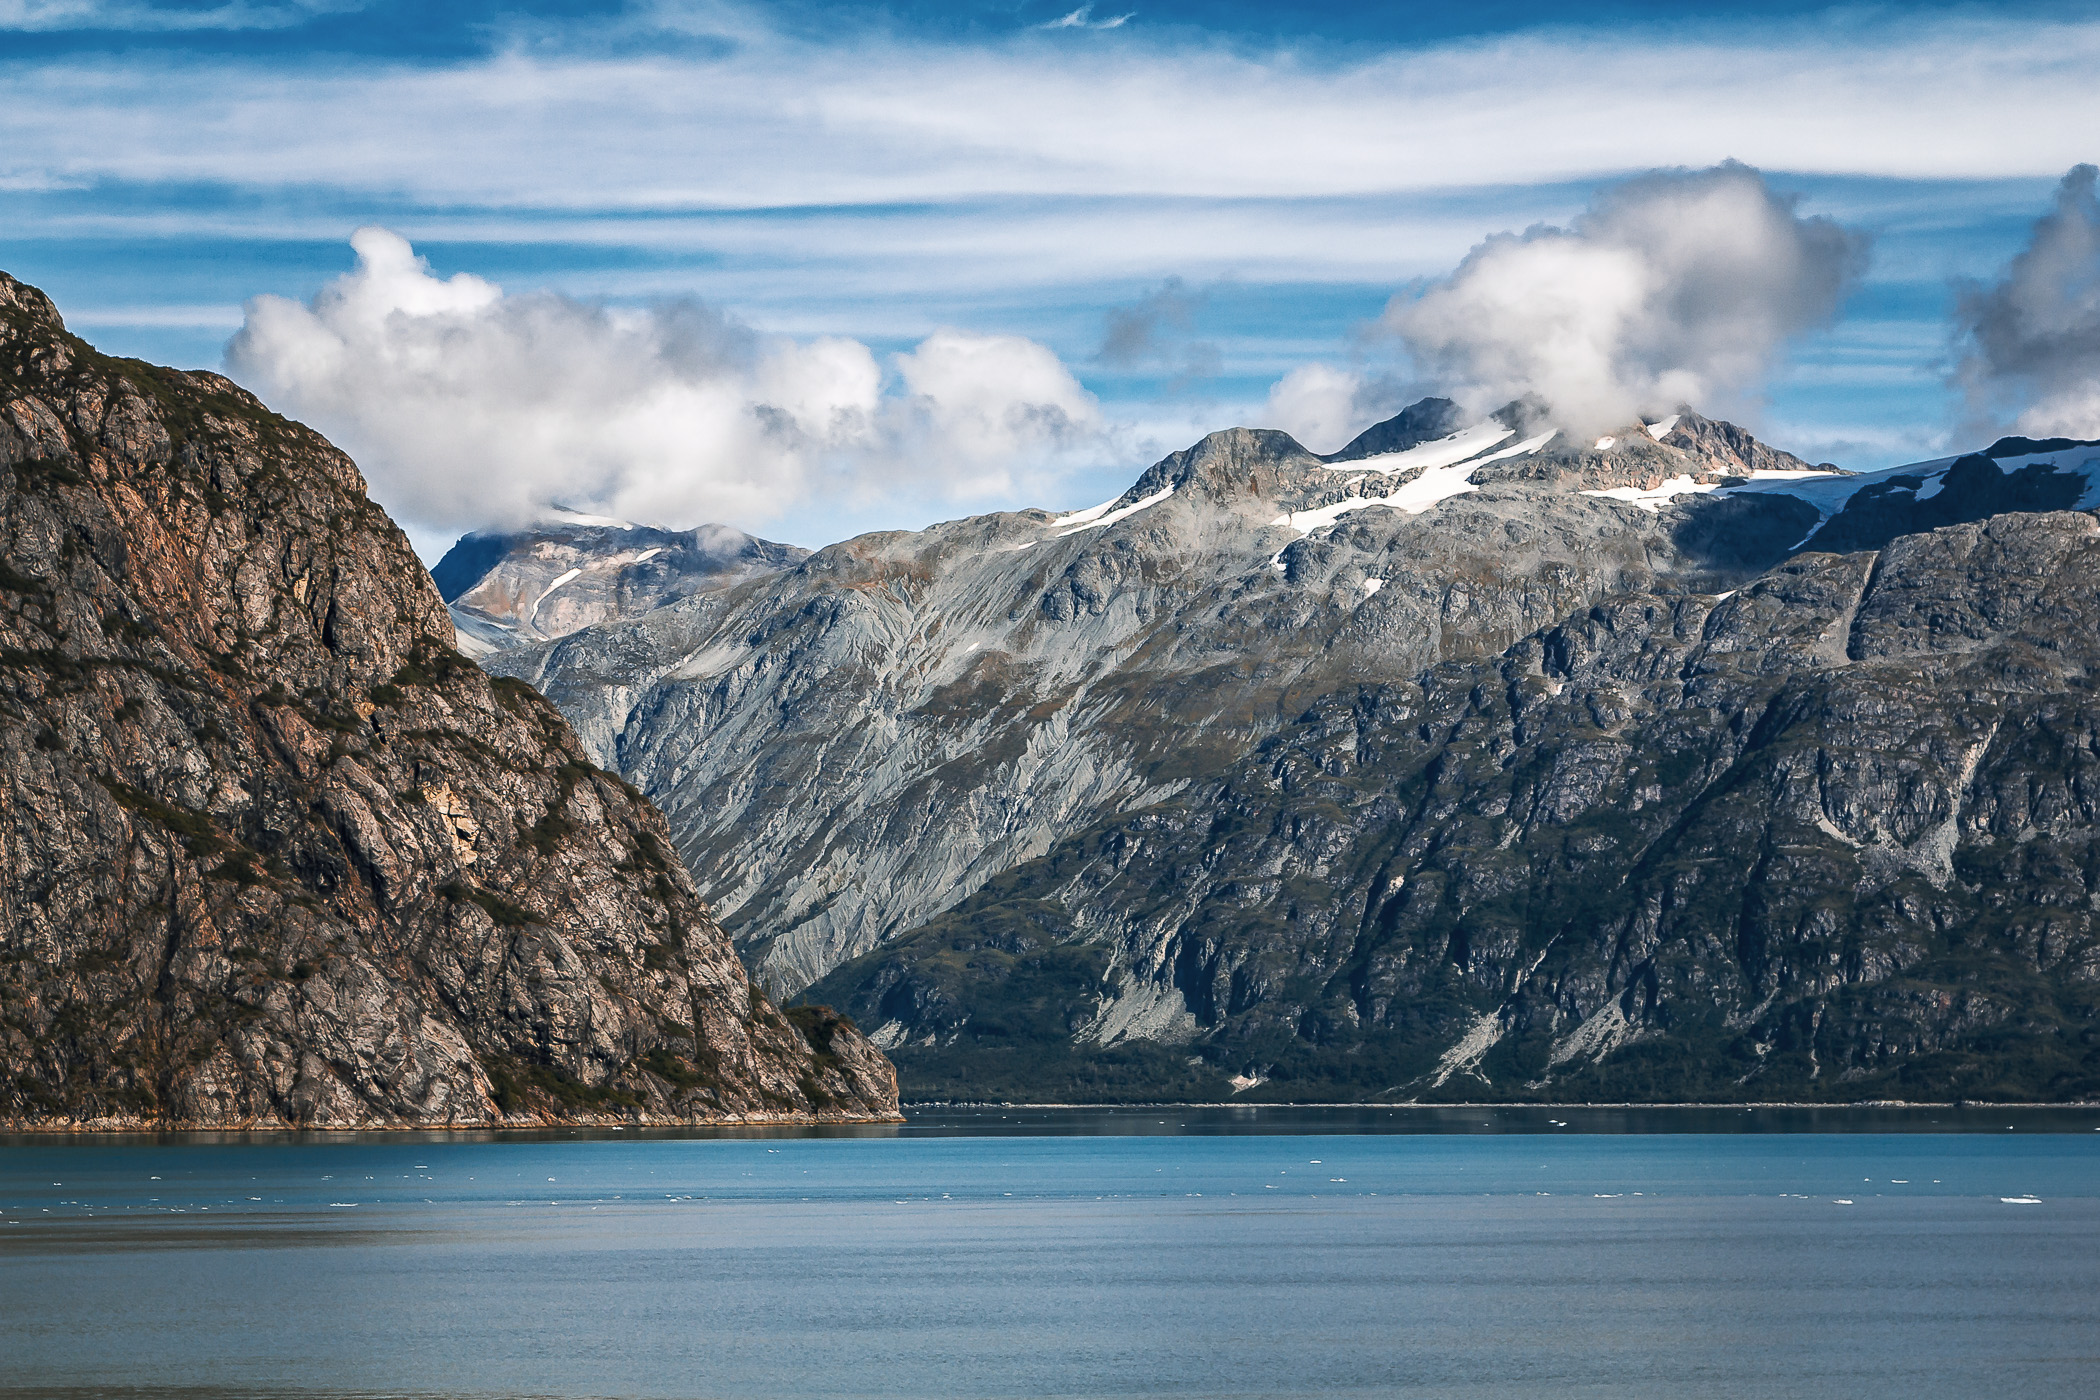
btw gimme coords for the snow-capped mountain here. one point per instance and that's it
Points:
(572, 570)
(1035, 794)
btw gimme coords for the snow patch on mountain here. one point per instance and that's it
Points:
(1093, 518)
(1654, 498)
(1457, 447)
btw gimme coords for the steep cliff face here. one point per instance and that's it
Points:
(849, 747)
(274, 853)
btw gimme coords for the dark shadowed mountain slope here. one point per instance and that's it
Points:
(1834, 835)
(274, 853)
(1149, 800)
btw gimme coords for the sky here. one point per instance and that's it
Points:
(814, 269)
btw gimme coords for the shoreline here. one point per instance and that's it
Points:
(1992, 1105)
(106, 1128)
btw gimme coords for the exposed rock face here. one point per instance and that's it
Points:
(509, 590)
(1833, 836)
(1384, 774)
(849, 747)
(273, 853)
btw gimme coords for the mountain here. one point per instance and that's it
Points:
(1830, 835)
(572, 570)
(1482, 764)
(275, 854)
(848, 747)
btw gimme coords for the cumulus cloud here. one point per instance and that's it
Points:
(1674, 287)
(1324, 406)
(2029, 343)
(468, 407)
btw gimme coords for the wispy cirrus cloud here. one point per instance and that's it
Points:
(1083, 18)
(138, 16)
(869, 180)
(776, 121)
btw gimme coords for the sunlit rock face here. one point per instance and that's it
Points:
(275, 853)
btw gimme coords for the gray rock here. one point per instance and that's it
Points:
(849, 747)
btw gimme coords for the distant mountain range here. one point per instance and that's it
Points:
(508, 590)
(1468, 762)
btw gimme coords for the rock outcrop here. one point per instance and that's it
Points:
(274, 853)
(850, 746)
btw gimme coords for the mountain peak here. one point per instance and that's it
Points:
(573, 570)
(1420, 422)
(20, 301)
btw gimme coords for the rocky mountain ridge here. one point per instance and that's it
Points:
(970, 778)
(912, 713)
(275, 854)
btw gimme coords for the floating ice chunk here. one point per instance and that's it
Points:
(2020, 1200)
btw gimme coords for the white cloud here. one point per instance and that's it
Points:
(988, 400)
(468, 407)
(47, 16)
(775, 120)
(1083, 18)
(1675, 287)
(1324, 406)
(2030, 342)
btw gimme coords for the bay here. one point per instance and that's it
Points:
(1020, 1253)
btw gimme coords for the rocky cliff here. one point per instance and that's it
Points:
(274, 853)
(1835, 835)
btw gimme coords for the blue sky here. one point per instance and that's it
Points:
(1016, 170)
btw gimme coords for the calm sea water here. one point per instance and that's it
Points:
(1462, 1253)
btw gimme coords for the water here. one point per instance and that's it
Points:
(1447, 1253)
